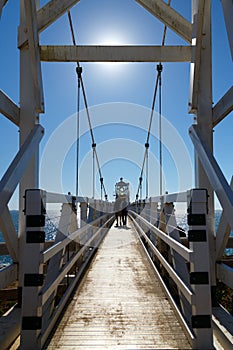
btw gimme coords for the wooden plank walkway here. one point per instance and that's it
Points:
(120, 303)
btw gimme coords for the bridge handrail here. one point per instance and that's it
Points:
(52, 197)
(47, 290)
(186, 253)
(170, 258)
(169, 197)
(48, 253)
(186, 291)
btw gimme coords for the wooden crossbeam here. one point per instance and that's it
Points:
(50, 12)
(169, 17)
(223, 107)
(9, 109)
(116, 53)
(46, 15)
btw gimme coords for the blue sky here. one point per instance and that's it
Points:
(129, 85)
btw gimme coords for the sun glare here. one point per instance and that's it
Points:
(111, 39)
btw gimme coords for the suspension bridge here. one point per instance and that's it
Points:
(145, 285)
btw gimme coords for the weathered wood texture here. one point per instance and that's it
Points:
(120, 303)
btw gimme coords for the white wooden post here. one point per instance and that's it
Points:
(56, 262)
(200, 269)
(178, 261)
(28, 118)
(203, 72)
(33, 278)
(83, 214)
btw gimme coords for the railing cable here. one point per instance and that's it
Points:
(80, 81)
(145, 159)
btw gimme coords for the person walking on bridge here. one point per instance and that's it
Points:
(117, 210)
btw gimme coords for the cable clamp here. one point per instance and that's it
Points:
(159, 68)
(79, 71)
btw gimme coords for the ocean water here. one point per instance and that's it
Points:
(52, 221)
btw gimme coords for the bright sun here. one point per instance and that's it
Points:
(111, 39)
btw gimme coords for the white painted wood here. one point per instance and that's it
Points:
(63, 198)
(222, 324)
(28, 119)
(31, 301)
(46, 15)
(33, 41)
(17, 168)
(8, 108)
(50, 12)
(227, 6)
(177, 246)
(83, 214)
(201, 304)
(223, 233)
(8, 275)
(74, 236)
(169, 17)
(223, 107)
(186, 291)
(53, 284)
(197, 55)
(9, 233)
(120, 304)
(178, 262)
(225, 274)
(171, 197)
(116, 53)
(55, 263)
(2, 4)
(214, 173)
(204, 119)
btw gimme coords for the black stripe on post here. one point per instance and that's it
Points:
(199, 278)
(35, 220)
(201, 321)
(33, 280)
(35, 237)
(197, 236)
(31, 323)
(196, 219)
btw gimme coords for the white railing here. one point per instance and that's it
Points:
(50, 275)
(163, 243)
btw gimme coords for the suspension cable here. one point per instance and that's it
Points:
(149, 130)
(80, 81)
(145, 159)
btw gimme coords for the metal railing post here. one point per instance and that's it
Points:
(200, 269)
(33, 278)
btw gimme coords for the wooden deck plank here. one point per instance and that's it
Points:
(120, 303)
